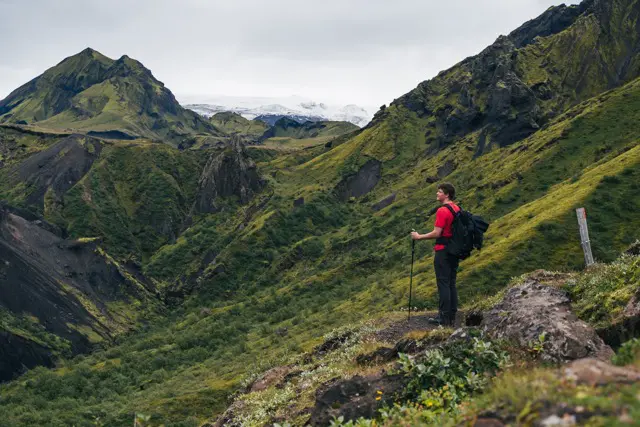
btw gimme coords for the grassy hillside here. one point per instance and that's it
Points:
(309, 269)
(527, 131)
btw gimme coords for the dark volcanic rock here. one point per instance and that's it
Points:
(355, 397)
(446, 169)
(529, 310)
(362, 182)
(298, 202)
(18, 354)
(552, 21)
(47, 277)
(228, 174)
(58, 168)
(332, 344)
(384, 202)
(112, 134)
(634, 249)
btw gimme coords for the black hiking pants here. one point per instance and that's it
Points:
(446, 267)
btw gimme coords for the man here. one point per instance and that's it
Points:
(446, 265)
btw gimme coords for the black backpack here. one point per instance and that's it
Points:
(468, 233)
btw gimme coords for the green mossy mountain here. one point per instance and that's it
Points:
(286, 127)
(515, 86)
(542, 122)
(117, 99)
(234, 124)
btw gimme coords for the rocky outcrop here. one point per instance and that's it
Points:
(384, 202)
(18, 354)
(634, 249)
(355, 397)
(230, 173)
(362, 182)
(552, 21)
(594, 372)
(535, 314)
(66, 285)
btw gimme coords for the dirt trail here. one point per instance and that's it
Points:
(397, 329)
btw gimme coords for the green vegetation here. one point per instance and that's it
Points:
(120, 99)
(234, 124)
(270, 278)
(602, 295)
(306, 269)
(136, 197)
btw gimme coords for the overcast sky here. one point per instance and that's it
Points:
(365, 52)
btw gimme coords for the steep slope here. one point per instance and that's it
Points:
(518, 84)
(59, 296)
(93, 94)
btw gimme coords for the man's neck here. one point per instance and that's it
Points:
(446, 201)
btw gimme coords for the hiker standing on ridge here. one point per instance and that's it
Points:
(445, 264)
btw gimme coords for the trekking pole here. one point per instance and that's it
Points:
(413, 250)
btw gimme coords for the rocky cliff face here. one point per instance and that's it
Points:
(230, 173)
(67, 285)
(514, 87)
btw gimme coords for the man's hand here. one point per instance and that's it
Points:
(415, 235)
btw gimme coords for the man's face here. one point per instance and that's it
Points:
(440, 196)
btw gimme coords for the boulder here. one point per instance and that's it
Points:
(355, 397)
(446, 169)
(533, 309)
(634, 249)
(594, 372)
(269, 378)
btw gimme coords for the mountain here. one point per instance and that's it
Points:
(273, 258)
(285, 132)
(93, 94)
(234, 124)
(288, 133)
(269, 110)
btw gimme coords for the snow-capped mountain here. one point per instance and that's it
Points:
(271, 109)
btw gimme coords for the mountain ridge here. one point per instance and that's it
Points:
(270, 110)
(90, 92)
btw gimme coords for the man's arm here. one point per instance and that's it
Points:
(437, 232)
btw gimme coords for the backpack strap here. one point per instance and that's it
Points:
(453, 212)
(445, 240)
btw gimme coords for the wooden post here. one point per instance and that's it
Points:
(584, 236)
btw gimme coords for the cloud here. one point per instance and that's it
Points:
(360, 51)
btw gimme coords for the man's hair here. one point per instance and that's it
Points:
(448, 189)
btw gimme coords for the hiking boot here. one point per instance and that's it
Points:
(439, 320)
(452, 320)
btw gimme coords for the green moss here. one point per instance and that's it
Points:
(135, 198)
